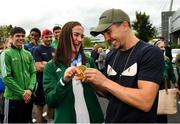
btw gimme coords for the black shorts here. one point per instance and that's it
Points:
(17, 111)
(38, 97)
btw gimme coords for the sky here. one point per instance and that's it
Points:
(48, 13)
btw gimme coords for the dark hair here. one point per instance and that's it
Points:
(17, 30)
(162, 38)
(64, 47)
(158, 42)
(36, 30)
(56, 28)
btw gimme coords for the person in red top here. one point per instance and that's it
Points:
(42, 54)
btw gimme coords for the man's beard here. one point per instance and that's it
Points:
(121, 45)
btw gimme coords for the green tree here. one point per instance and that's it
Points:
(144, 29)
(4, 32)
(87, 42)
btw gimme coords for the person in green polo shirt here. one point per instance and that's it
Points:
(56, 32)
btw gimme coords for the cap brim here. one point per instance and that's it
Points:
(99, 29)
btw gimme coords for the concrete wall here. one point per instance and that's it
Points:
(165, 24)
(174, 29)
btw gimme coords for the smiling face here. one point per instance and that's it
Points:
(18, 39)
(34, 36)
(70, 44)
(47, 37)
(116, 34)
(47, 40)
(161, 45)
(77, 38)
(57, 33)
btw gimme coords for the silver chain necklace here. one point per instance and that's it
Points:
(126, 60)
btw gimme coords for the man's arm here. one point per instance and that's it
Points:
(40, 66)
(142, 97)
(7, 75)
(32, 72)
(150, 76)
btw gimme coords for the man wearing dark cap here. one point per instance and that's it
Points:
(134, 71)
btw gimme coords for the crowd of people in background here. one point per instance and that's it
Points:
(42, 72)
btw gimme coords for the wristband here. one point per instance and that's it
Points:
(62, 82)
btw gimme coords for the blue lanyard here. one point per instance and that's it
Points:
(77, 60)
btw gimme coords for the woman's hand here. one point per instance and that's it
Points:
(69, 73)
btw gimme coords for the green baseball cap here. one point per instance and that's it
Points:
(107, 18)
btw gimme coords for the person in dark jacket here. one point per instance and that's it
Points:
(95, 54)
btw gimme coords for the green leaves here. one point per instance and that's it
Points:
(4, 32)
(144, 29)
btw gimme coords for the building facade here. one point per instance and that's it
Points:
(165, 24)
(174, 29)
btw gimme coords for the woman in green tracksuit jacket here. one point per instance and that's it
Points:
(73, 101)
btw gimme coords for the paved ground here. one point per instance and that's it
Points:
(103, 102)
(176, 117)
